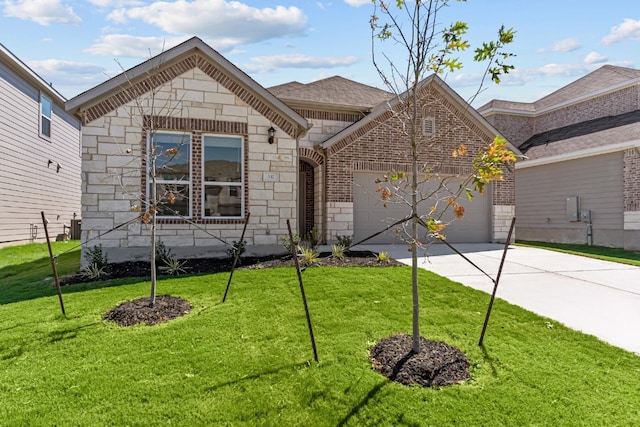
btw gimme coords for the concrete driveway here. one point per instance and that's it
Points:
(596, 297)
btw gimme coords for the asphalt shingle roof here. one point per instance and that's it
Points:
(589, 134)
(334, 90)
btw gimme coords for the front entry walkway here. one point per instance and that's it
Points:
(596, 297)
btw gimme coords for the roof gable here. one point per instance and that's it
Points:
(607, 78)
(601, 79)
(383, 111)
(169, 64)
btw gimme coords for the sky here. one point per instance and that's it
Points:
(76, 45)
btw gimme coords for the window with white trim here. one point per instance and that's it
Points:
(170, 153)
(45, 116)
(222, 176)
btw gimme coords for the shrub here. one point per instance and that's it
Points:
(173, 267)
(163, 253)
(344, 241)
(337, 251)
(93, 271)
(383, 257)
(312, 237)
(288, 244)
(96, 257)
(237, 248)
(308, 256)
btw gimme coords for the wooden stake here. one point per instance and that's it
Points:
(235, 260)
(294, 250)
(495, 286)
(53, 263)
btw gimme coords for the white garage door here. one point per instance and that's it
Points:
(370, 216)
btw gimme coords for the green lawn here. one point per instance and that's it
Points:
(249, 361)
(598, 252)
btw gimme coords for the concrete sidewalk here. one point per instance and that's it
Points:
(596, 297)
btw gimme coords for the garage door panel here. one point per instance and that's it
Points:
(370, 216)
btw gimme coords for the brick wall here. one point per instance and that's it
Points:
(517, 128)
(631, 164)
(383, 146)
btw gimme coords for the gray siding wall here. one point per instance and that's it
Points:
(541, 194)
(30, 184)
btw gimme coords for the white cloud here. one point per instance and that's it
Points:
(64, 68)
(44, 12)
(628, 30)
(123, 45)
(264, 64)
(561, 70)
(565, 45)
(595, 58)
(226, 23)
(69, 77)
(357, 3)
(109, 4)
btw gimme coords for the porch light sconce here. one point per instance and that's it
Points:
(58, 168)
(272, 134)
(49, 163)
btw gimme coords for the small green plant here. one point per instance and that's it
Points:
(344, 241)
(93, 271)
(173, 267)
(312, 237)
(337, 251)
(288, 244)
(95, 256)
(383, 257)
(308, 256)
(237, 249)
(163, 253)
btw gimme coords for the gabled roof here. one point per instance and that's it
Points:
(217, 64)
(13, 62)
(335, 91)
(439, 85)
(607, 78)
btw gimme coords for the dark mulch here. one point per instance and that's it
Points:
(218, 265)
(130, 313)
(437, 364)
(168, 307)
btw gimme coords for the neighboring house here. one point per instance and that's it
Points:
(581, 181)
(40, 162)
(330, 140)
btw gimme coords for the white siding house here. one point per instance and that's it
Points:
(40, 162)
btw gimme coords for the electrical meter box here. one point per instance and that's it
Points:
(573, 211)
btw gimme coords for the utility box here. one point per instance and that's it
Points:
(573, 209)
(76, 225)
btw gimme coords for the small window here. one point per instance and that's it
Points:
(223, 176)
(428, 126)
(171, 155)
(45, 116)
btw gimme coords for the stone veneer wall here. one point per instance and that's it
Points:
(379, 146)
(192, 101)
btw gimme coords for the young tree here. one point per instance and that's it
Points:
(161, 161)
(426, 46)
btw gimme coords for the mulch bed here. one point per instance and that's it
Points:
(137, 311)
(437, 364)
